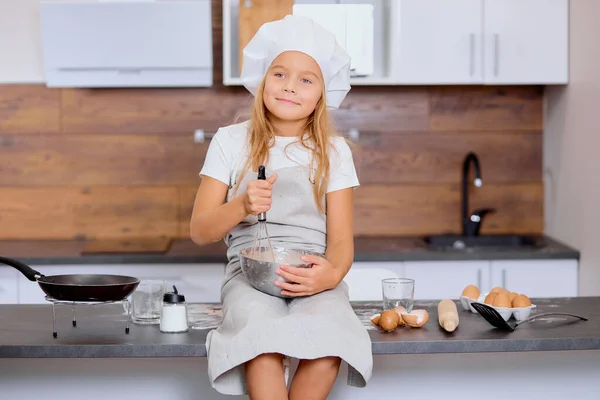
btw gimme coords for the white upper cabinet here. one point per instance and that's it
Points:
(368, 32)
(126, 43)
(526, 41)
(440, 42)
(448, 42)
(481, 41)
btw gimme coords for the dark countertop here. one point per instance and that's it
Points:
(26, 332)
(185, 251)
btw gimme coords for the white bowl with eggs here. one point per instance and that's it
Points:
(522, 313)
(518, 307)
(465, 302)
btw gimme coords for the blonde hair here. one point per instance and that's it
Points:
(318, 132)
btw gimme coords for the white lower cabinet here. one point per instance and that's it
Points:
(446, 279)
(433, 279)
(537, 278)
(198, 282)
(364, 279)
(9, 293)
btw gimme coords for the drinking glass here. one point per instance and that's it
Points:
(146, 302)
(398, 292)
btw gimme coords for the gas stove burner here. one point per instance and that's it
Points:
(54, 302)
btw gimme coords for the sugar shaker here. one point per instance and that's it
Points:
(174, 315)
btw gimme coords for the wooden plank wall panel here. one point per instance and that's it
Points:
(151, 110)
(420, 209)
(113, 163)
(386, 157)
(431, 209)
(389, 109)
(89, 212)
(519, 207)
(29, 109)
(100, 159)
(181, 110)
(483, 108)
(155, 159)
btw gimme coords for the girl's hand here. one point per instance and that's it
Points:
(308, 281)
(257, 198)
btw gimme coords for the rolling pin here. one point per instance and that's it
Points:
(447, 315)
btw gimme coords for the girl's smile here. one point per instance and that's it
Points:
(286, 101)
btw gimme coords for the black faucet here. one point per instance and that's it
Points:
(471, 223)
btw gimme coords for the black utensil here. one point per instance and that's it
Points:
(262, 176)
(493, 317)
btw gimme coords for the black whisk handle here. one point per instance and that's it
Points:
(261, 173)
(262, 176)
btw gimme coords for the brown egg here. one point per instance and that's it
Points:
(496, 289)
(375, 319)
(416, 318)
(489, 299)
(388, 320)
(521, 300)
(471, 291)
(400, 310)
(511, 296)
(501, 300)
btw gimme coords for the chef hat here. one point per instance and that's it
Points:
(298, 33)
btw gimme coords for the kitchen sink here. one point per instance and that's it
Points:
(458, 242)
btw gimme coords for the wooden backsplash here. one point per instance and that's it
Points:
(122, 162)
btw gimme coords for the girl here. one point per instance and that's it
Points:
(296, 71)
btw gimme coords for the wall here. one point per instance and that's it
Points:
(571, 148)
(122, 162)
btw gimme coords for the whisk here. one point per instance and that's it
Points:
(261, 246)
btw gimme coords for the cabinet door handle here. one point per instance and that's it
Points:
(479, 279)
(472, 54)
(504, 278)
(496, 54)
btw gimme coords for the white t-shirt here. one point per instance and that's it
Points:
(226, 155)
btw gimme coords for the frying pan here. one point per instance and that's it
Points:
(86, 287)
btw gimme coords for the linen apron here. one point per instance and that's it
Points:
(255, 323)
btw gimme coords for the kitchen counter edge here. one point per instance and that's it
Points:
(474, 335)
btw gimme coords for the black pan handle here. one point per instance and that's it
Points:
(25, 269)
